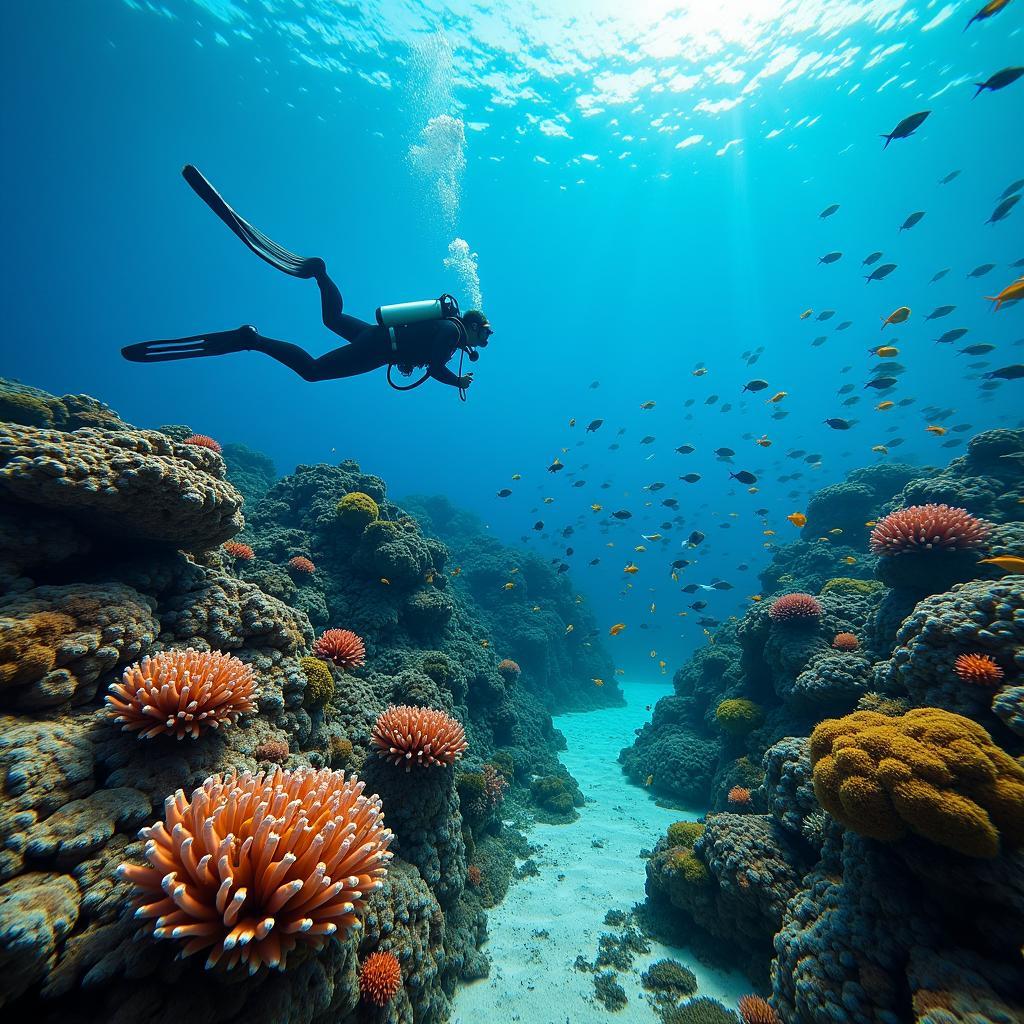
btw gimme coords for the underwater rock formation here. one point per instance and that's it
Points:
(110, 554)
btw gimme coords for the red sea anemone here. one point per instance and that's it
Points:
(927, 528)
(846, 642)
(979, 669)
(301, 564)
(380, 978)
(509, 669)
(341, 646)
(795, 608)
(202, 441)
(181, 693)
(254, 865)
(236, 549)
(739, 795)
(420, 736)
(755, 1010)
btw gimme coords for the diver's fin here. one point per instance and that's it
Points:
(266, 248)
(216, 343)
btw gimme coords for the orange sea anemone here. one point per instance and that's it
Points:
(739, 795)
(509, 669)
(253, 865)
(202, 441)
(380, 977)
(795, 608)
(236, 549)
(846, 642)
(979, 669)
(341, 646)
(420, 736)
(182, 693)
(755, 1010)
(927, 528)
(302, 564)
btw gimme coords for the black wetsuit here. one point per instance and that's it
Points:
(430, 344)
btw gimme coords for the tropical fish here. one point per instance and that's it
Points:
(572, 422)
(385, 581)
(593, 425)
(622, 514)
(830, 257)
(690, 478)
(844, 325)
(700, 371)
(838, 424)
(976, 350)
(829, 210)
(871, 259)
(648, 439)
(913, 219)
(569, 628)
(1010, 293)
(539, 525)
(685, 449)
(886, 351)
(991, 8)
(508, 586)
(940, 311)
(764, 441)
(755, 385)
(724, 453)
(882, 406)
(1011, 563)
(744, 477)
(648, 405)
(798, 519)
(949, 177)
(599, 682)
(806, 313)
(982, 270)
(632, 569)
(939, 275)
(954, 335)
(849, 560)
(1014, 372)
(555, 466)
(504, 492)
(1012, 188)
(897, 316)
(517, 476)
(880, 273)
(1002, 211)
(910, 124)
(881, 383)
(596, 508)
(777, 397)
(826, 314)
(936, 430)
(695, 538)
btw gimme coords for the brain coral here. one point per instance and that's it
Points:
(420, 736)
(253, 865)
(357, 510)
(927, 528)
(131, 484)
(380, 977)
(341, 646)
(795, 609)
(738, 715)
(181, 693)
(930, 772)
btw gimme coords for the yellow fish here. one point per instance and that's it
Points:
(1011, 563)
(769, 533)
(881, 449)
(806, 313)
(535, 608)
(599, 682)
(937, 431)
(700, 371)
(639, 547)
(648, 405)
(610, 544)
(596, 508)
(887, 351)
(871, 522)
(651, 536)
(517, 476)
(631, 569)
(569, 628)
(653, 608)
(457, 570)
(648, 780)
(617, 629)
(548, 501)
(675, 577)
(756, 597)
(485, 643)
(565, 451)
(662, 664)
(850, 560)
(837, 529)
(777, 397)
(897, 316)
(882, 406)
(509, 586)
(798, 519)
(429, 578)
(1010, 293)
(386, 582)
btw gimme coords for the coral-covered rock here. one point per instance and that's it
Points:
(788, 787)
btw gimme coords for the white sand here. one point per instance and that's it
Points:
(533, 979)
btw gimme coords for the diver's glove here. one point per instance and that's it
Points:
(464, 382)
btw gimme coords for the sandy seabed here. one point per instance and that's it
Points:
(533, 979)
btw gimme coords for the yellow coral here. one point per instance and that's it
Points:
(29, 646)
(685, 833)
(929, 772)
(357, 510)
(319, 681)
(692, 870)
(851, 586)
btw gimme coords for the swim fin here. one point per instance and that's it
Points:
(266, 248)
(217, 343)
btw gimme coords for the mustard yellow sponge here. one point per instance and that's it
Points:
(319, 681)
(851, 586)
(928, 772)
(357, 510)
(738, 715)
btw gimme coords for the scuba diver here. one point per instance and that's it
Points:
(423, 334)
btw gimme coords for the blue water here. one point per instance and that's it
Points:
(642, 187)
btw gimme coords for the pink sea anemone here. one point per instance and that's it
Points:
(301, 564)
(927, 528)
(202, 441)
(236, 549)
(341, 646)
(795, 608)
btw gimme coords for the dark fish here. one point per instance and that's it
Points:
(670, 503)
(563, 568)
(881, 382)
(779, 414)
(555, 467)
(699, 606)
(708, 623)
(913, 219)
(813, 459)
(844, 325)
(539, 525)
(695, 538)
(830, 257)
(622, 514)
(837, 424)
(982, 270)
(657, 486)
(976, 350)
(880, 273)
(799, 453)
(724, 453)
(680, 563)
(829, 210)
(685, 449)
(826, 314)
(691, 478)
(594, 384)
(1000, 80)
(1014, 372)
(949, 177)
(1002, 211)
(755, 385)
(906, 127)
(594, 561)
(818, 342)
(743, 477)
(721, 585)
(593, 425)
(711, 399)
(852, 400)
(951, 442)
(896, 442)
(940, 311)
(648, 439)
(845, 389)
(726, 407)
(954, 335)
(688, 403)
(939, 276)
(614, 446)
(690, 588)
(620, 431)
(871, 260)
(889, 366)
(504, 492)
(1011, 189)
(580, 483)
(569, 552)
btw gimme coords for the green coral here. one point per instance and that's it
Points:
(738, 715)
(357, 510)
(670, 977)
(27, 409)
(702, 1010)
(685, 833)
(609, 991)
(851, 586)
(341, 751)
(504, 762)
(689, 868)
(438, 667)
(552, 793)
(319, 682)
